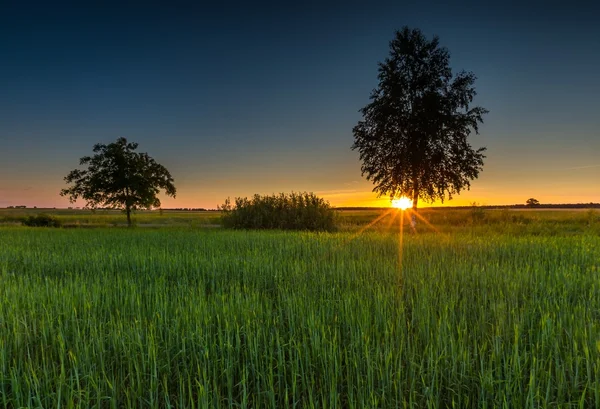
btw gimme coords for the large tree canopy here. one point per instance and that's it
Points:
(413, 137)
(120, 178)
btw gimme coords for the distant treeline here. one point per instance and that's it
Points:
(515, 206)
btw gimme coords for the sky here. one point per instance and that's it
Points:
(237, 98)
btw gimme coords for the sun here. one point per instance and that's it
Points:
(402, 203)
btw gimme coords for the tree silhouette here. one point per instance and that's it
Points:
(532, 202)
(412, 139)
(120, 178)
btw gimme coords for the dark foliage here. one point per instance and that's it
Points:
(42, 220)
(413, 137)
(295, 211)
(117, 177)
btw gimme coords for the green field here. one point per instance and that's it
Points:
(103, 218)
(478, 219)
(485, 309)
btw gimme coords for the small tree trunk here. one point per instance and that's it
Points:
(128, 210)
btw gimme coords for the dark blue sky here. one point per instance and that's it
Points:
(242, 98)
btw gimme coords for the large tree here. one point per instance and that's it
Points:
(120, 178)
(413, 137)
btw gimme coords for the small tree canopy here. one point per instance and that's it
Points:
(413, 137)
(120, 178)
(532, 202)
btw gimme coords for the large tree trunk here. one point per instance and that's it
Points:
(415, 201)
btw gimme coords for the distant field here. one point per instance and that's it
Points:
(75, 217)
(539, 221)
(478, 221)
(492, 309)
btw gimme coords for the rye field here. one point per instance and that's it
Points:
(482, 309)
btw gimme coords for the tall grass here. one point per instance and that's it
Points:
(112, 318)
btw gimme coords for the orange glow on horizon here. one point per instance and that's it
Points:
(43, 193)
(402, 203)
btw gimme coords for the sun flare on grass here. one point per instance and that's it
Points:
(402, 203)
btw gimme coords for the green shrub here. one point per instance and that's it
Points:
(293, 211)
(42, 220)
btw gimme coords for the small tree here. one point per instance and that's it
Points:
(413, 137)
(532, 202)
(117, 177)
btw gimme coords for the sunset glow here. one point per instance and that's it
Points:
(402, 203)
(221, 134)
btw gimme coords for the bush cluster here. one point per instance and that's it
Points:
(42, 220)
(292, 211)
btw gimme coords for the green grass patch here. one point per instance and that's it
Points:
(193, 318)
